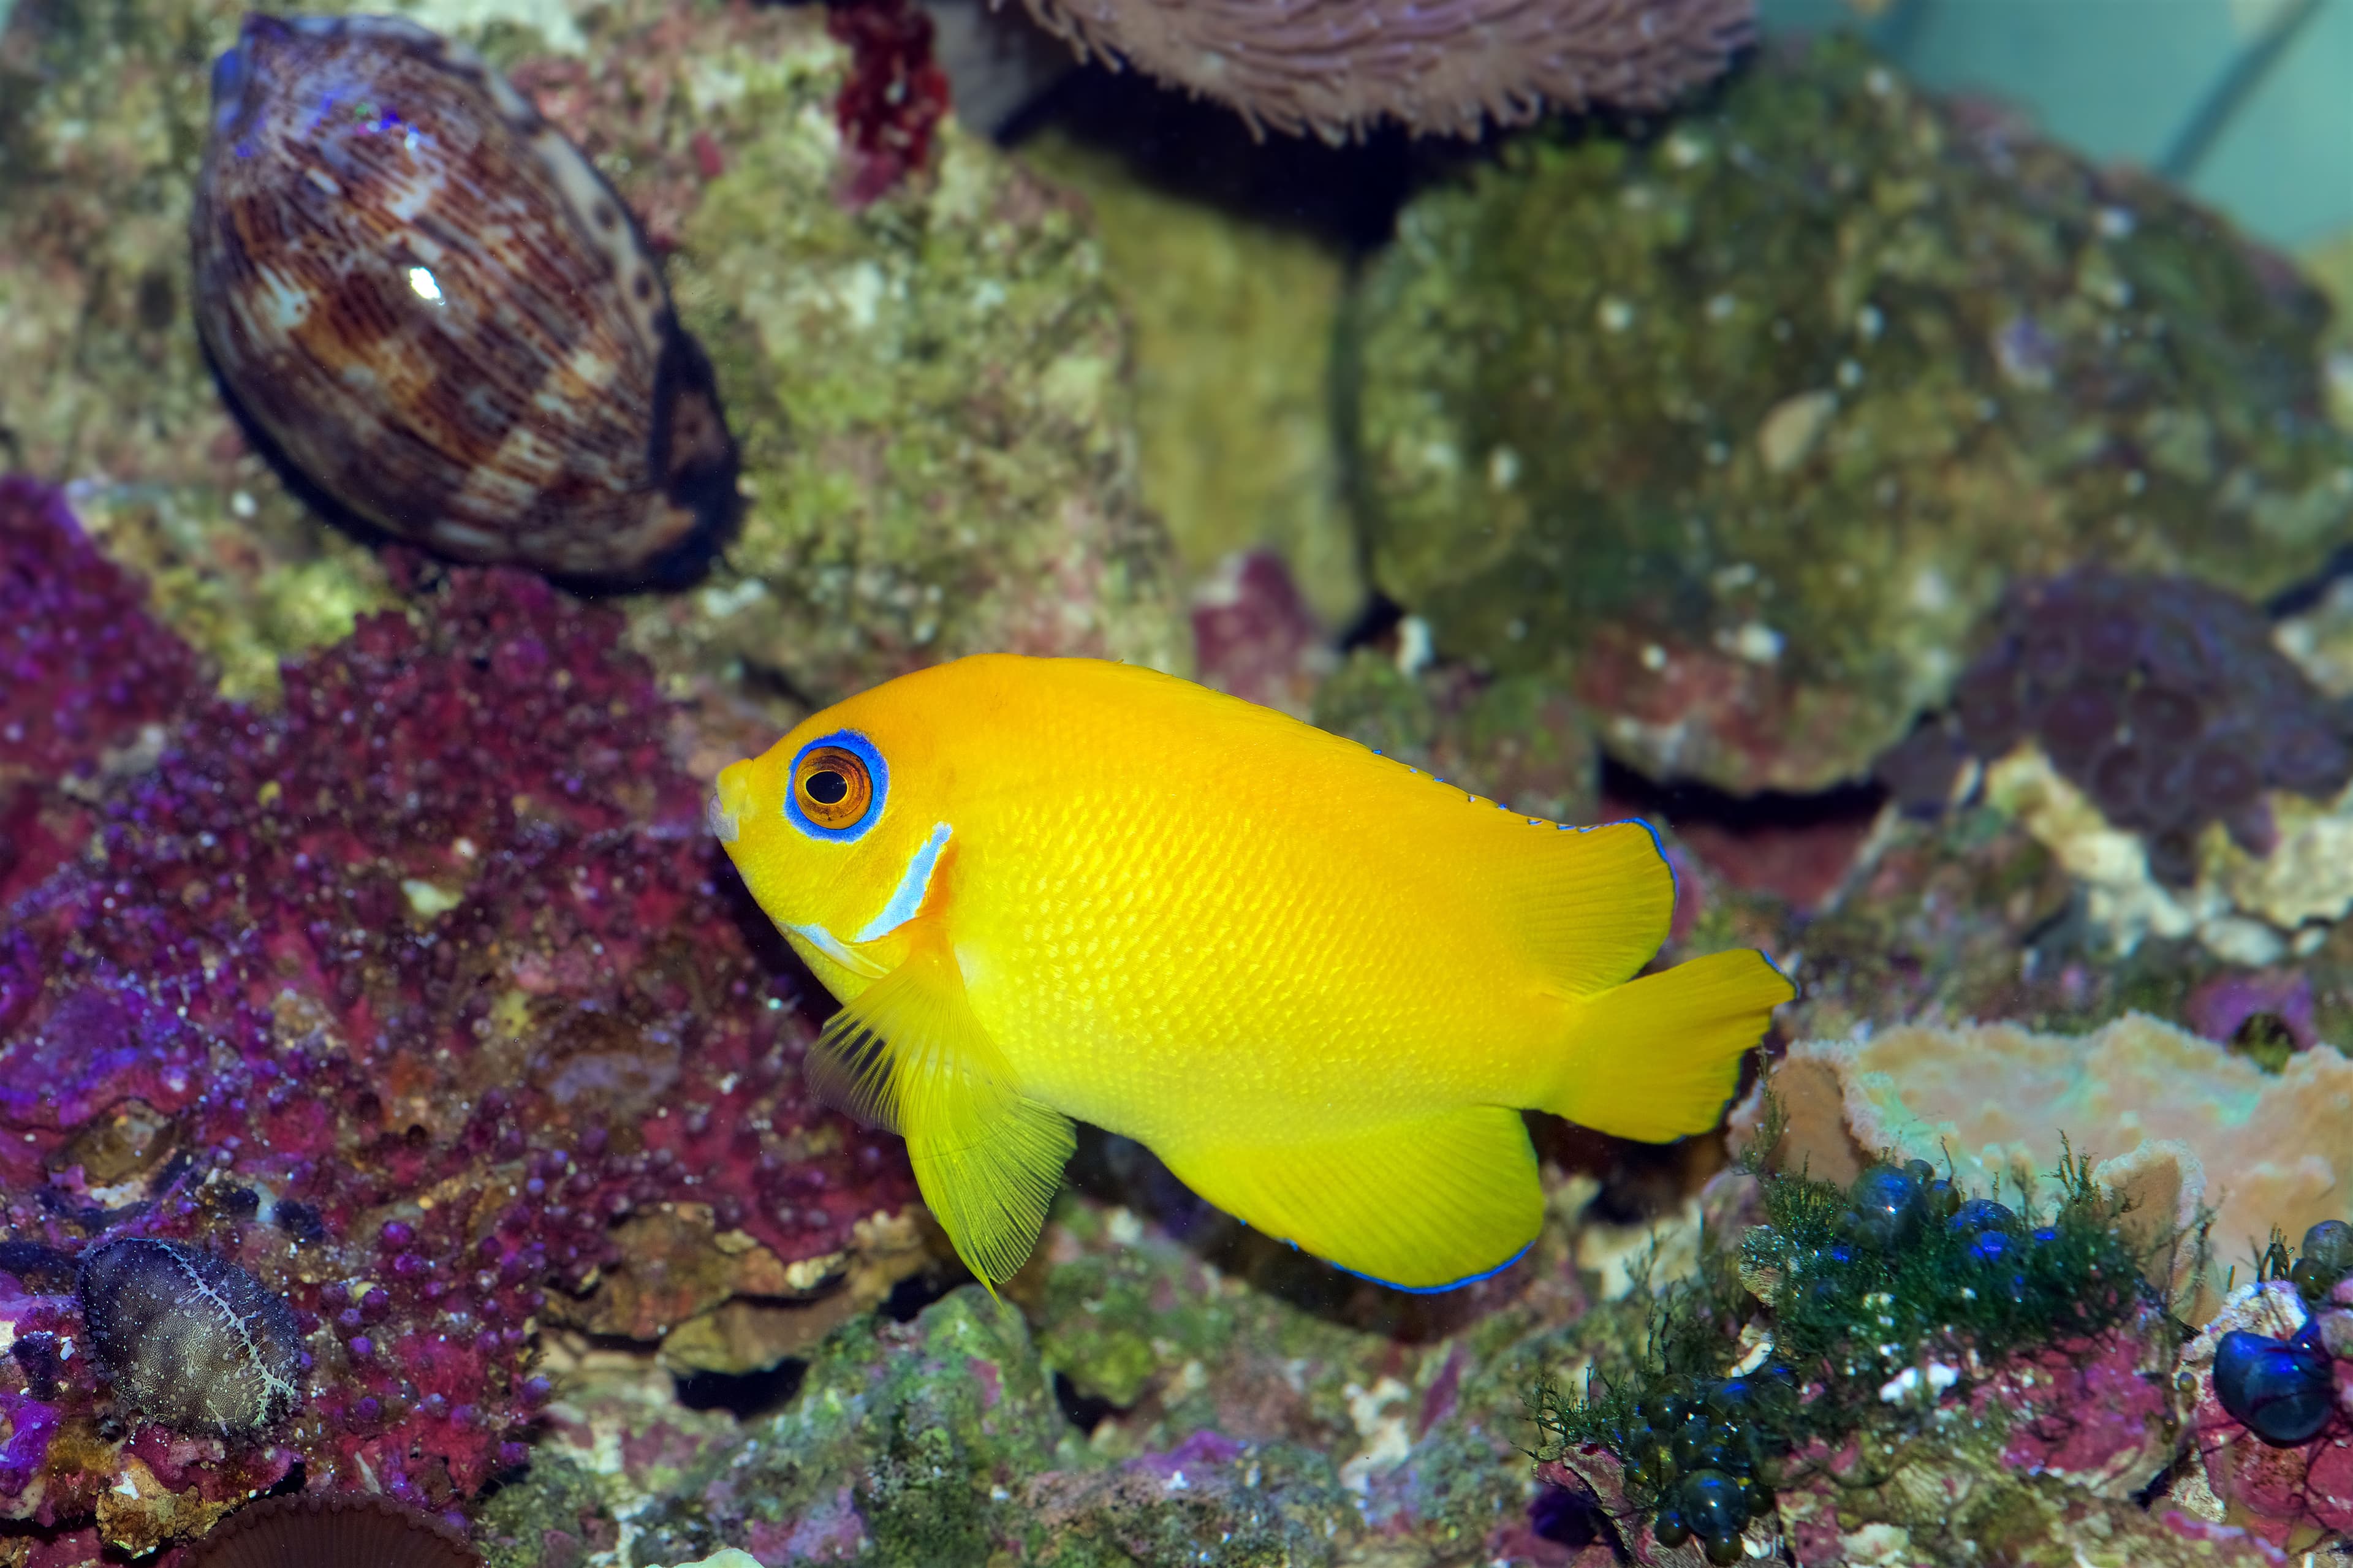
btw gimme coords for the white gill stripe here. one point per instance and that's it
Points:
(832, 946)
(913, 883)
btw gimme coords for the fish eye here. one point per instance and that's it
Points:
(834, 786)
(837, 784)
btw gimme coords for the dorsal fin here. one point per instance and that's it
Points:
(1595, 903)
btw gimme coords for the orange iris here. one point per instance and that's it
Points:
(833, 787)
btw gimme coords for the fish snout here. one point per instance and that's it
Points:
(725, 811)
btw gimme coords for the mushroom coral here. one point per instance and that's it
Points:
(1335, 67)
(2174, 1122)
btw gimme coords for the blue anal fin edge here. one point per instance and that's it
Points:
(1467, 1281)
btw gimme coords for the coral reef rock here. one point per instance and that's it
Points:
(932, 388)
(929, 390)
(422, 1006)
(2152, 731)
(2174, 1121)
(2252, 907)
(1742, 430)
(2164, 699)
(1233, 322)
(1518, 740)
(1158, 1387)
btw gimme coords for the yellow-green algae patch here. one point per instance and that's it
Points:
(1741, 430)
(103, 112)
(1233, 322)
(932, 397)
(931, 391)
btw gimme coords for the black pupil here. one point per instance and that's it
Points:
(827, 786)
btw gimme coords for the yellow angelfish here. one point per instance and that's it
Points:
(1317, 984)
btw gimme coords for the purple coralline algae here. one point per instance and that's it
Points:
(2231, 1005)
(2163, 698)
(82, 670)
(405, 1002)
(1255, 635)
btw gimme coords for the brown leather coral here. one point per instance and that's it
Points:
(334, 1529)
(1448, 66)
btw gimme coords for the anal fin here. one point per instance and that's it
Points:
(1423, 1204)
(909, 1054)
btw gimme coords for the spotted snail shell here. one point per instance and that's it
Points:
(439, 313)
(190, 1340)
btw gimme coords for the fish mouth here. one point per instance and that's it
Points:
(730, 794)
(719, 820)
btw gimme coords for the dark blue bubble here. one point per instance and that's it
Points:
(2283, 1391)
(1665, 1410)
(1711, 1503)
(1982, 1214)
(1750, 1414)
(2045, 1233)
(1885, 1207)
(2329, 1244)
(1940, 1198)
(1725, 1451)
(1697, 1434)
(1736, 1398)
(1989, 1246)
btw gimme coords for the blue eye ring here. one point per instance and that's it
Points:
(835, 789)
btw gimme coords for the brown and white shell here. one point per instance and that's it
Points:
(439, 313)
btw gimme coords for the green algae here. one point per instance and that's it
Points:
(1830, 1308)
(1739, 430)
(103, 111)
(931, 391)
(1518, 739)
(1233, 322)
(931, 1442)
(932, 397)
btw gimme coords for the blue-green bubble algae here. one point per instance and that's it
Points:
(1803, 1372)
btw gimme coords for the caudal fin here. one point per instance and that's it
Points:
(1656, 1058)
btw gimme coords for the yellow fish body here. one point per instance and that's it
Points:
(1319, 984)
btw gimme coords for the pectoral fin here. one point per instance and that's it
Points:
(910, 1055)
(1424, 1205)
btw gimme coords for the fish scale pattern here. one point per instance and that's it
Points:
(1270, 928)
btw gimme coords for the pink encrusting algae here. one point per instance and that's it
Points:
(398, 997)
